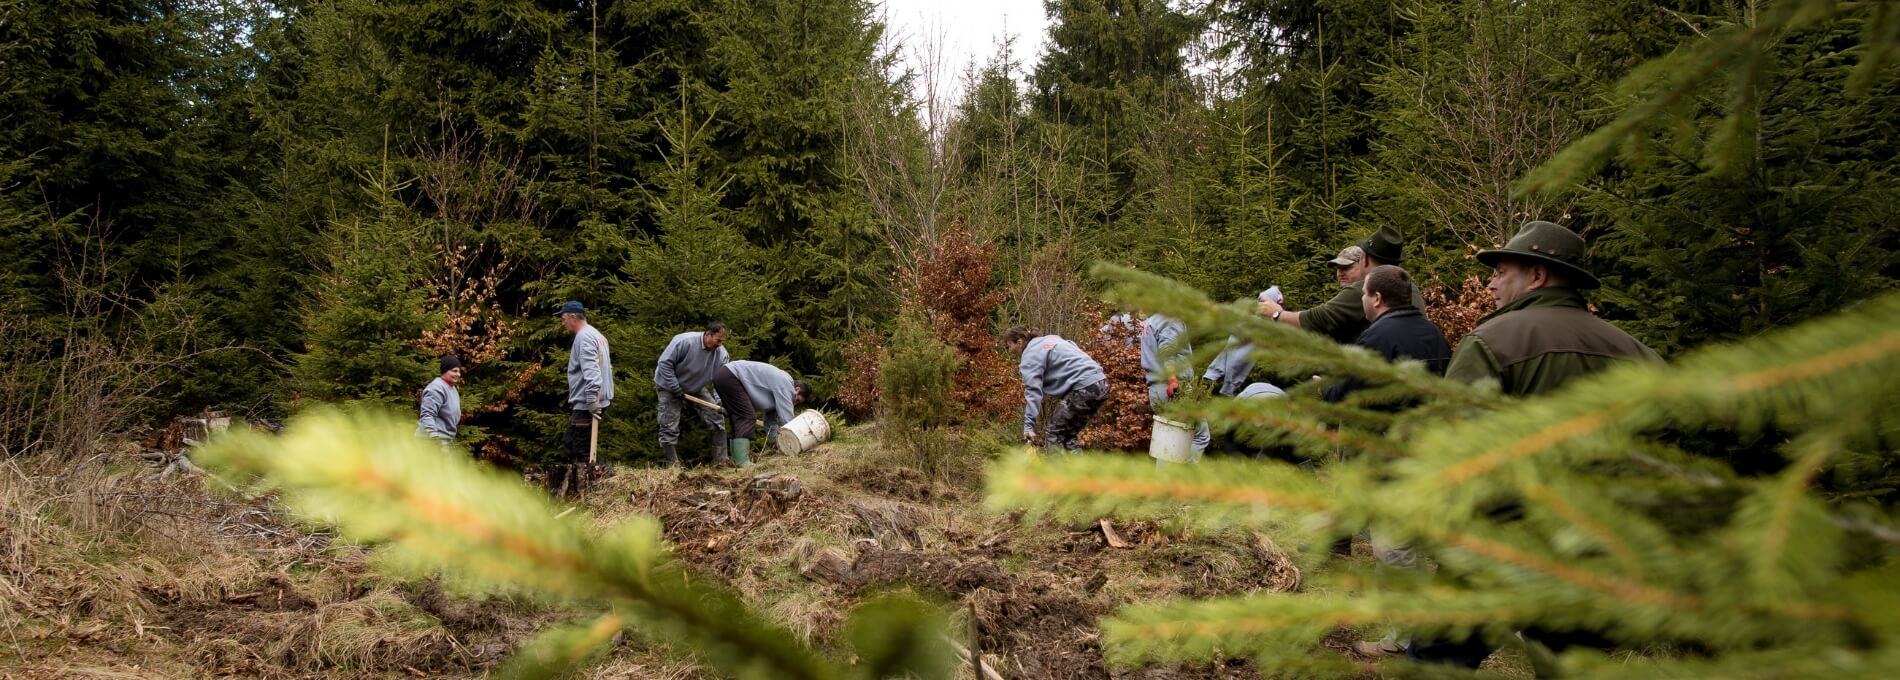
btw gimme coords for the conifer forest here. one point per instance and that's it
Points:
(756, 339)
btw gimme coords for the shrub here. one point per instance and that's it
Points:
(917, 372)
(1457, 315)
(950, 286)
(1124, 422)
(862, 387)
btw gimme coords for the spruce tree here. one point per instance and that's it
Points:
(367, 309)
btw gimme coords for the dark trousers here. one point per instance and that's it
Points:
(738, 403)
(572, 474)
(1072, 413)
(580, 431)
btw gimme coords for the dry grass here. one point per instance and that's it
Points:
(217, 587)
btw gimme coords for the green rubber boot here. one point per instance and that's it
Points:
(742, 452)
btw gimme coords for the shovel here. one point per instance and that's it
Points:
(713, 406)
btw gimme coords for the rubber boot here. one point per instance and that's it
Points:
(742, 452)
(721, 456)
(672, 455)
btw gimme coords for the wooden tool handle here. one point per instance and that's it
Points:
(704, 403)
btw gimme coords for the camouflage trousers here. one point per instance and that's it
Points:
(1071, 413)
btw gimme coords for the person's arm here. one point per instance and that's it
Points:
(1473, 362)
(589, 350)
(1239, 370)
(1340, 312)
(1289, 317)
(782, 395)
(432, 403)
(663, 373)
(1031, 368)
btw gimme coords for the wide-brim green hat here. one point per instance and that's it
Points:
(1551, 244)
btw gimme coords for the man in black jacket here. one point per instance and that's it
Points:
(1399, 329)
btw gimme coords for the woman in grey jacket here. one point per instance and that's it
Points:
(442, 403)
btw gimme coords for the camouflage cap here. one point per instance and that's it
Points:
(1348, 257)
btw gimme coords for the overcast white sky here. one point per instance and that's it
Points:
(970, 30)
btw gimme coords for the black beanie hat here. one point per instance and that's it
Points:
(449, 362)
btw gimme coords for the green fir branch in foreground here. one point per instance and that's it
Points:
(1574, 510)
(431, 509)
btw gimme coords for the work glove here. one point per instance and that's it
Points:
(1174, 385)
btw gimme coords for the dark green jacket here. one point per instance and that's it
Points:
(1540, 341)
(1342, 318)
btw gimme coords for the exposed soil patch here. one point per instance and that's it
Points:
(896, 482)
(1034, 593)
(937, 572)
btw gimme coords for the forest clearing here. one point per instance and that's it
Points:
(759, 339)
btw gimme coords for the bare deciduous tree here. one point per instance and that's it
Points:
(1474, 125)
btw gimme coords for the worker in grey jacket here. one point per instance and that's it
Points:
(590, 388)
(1158, 334)
(748, 389)
(441, 403)
(686, 367)
(1229, 369)
(1054, 367)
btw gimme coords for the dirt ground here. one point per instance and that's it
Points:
(115, 574)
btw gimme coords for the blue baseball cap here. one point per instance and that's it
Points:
(572, 307)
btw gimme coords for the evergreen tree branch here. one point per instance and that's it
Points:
(1265, 624)
(1225, 492)
(1310, 425)
(1557, 502)
(559, 652)
(1671, 80)
(1790, 539)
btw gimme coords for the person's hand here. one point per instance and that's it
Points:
(1269, 307)
(1029, 437)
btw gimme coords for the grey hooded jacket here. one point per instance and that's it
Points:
(590, 371)
(1157, 332)
(1231, 367)
(1053, 366)
(686, 366)
(441, 411)
(770, 388)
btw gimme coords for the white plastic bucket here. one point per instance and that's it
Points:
(808, 430)
(1172, 442)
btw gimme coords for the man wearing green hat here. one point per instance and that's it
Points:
(1542, 336)
(1342, 318)
(1543, 333)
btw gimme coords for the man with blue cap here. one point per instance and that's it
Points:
(590, 388)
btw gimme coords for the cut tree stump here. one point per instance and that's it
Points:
(825, 565)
